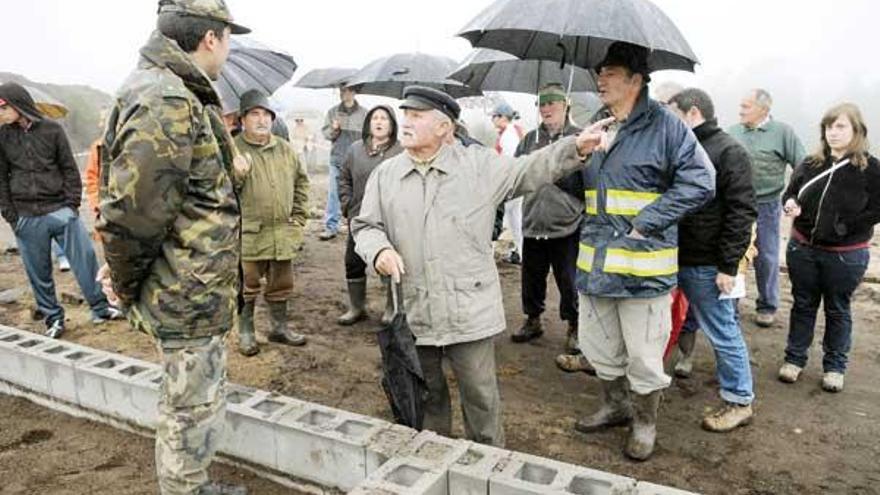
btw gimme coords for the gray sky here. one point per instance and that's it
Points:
(808, 53)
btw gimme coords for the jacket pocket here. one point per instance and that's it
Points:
(250, 230)
(476, 298)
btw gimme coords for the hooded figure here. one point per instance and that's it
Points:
(17, 97)
(378, 142)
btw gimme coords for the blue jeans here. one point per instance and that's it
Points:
(830, 278)
(767, 261)
(333, 212)
(58, 251)
(718, 320)
(34, 236)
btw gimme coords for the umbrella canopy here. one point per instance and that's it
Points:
(491, 70)
(579, 31)
(331, 77)
(252, 65)
(388, 76)
(47, 104)
(402, 378)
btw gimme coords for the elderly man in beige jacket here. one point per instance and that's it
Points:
(427, 216)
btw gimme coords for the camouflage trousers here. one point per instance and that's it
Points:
(192, 411)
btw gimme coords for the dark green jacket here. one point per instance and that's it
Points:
(772, 146)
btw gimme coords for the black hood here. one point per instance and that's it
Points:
(21, 100)
(365, 131)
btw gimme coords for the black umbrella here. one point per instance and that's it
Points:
(388, 76)
(402, 378)
(331, 77)
(579, 31)
(492, 70)
(252, 65)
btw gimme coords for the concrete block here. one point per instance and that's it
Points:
(431, 447)
(325, 445)
(645, 488)
(532, 475)
(407, 476)
(386, 443)
(110, 384)
(470, 473)
(251, 432)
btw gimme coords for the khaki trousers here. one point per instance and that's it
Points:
(626, 337)
(278, 275)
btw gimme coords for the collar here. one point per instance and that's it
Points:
(161, 51)
(436, 162)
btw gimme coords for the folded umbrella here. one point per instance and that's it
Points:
(388, 76)
(402, 377)
(579, 31)
(252, 65)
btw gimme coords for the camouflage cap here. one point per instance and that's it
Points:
(209, 9)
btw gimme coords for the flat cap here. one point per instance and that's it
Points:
(425, 98)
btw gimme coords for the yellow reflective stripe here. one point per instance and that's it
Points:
(585, 257)
(642, 263)
(591, 202)
(627, 203)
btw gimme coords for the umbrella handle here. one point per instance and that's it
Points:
(397, 296)
(564, 54)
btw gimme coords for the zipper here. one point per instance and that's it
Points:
(819, 210)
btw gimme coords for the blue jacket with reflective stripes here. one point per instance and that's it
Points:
(653, 174)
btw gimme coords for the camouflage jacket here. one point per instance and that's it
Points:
(169, 214)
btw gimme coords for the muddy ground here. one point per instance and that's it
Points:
(803, 441)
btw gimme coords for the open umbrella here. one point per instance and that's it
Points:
(47, 104)
(402, 379)
(252, 65)
(579, 31)
(388, 76)
(492, 70)
(330, 77)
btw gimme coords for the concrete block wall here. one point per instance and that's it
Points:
(293, 441)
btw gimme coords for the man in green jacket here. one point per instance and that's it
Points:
(169, 225)
(274, 199)
(772, 146)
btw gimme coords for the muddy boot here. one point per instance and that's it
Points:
(357, 296)
(643, 433)
(218, 488)
(247, 340)
(615, 410)
(280, 334)
(530, 330)
(685, 365)
(571, 340)
(388, 314)
(572, 363)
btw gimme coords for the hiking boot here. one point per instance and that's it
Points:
(55, 329)
(765, 320)
(357, 297)
(63, 264)
(530, 330)
(280, 333)
(512, 258)
(685, 365)
(111, 313)
(643, 432)
(247, 339)
(789, 373)
(388, 314)
(832, 381)
(217, 488)
(615, 408)
(327, 235)
(573, 363)
(728, 417)
(571, 339)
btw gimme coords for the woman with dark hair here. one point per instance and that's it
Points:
(834, 198)
(378, 143)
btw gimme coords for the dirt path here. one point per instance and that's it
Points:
(804, 441)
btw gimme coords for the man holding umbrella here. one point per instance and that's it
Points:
(274, 199)
(653, 173)
(170, 226)
(342, 127)
(428, 214)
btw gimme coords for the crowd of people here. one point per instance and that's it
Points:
(201, 210)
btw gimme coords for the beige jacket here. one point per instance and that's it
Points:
(441, 224)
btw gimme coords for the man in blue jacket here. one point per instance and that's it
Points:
(652, 174)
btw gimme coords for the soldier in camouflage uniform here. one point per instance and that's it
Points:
(170, 229)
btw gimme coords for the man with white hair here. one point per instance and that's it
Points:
(772, 146)
(427, 215)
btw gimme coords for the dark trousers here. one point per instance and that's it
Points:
(539, 256)
(830, 278)
(355, 268)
